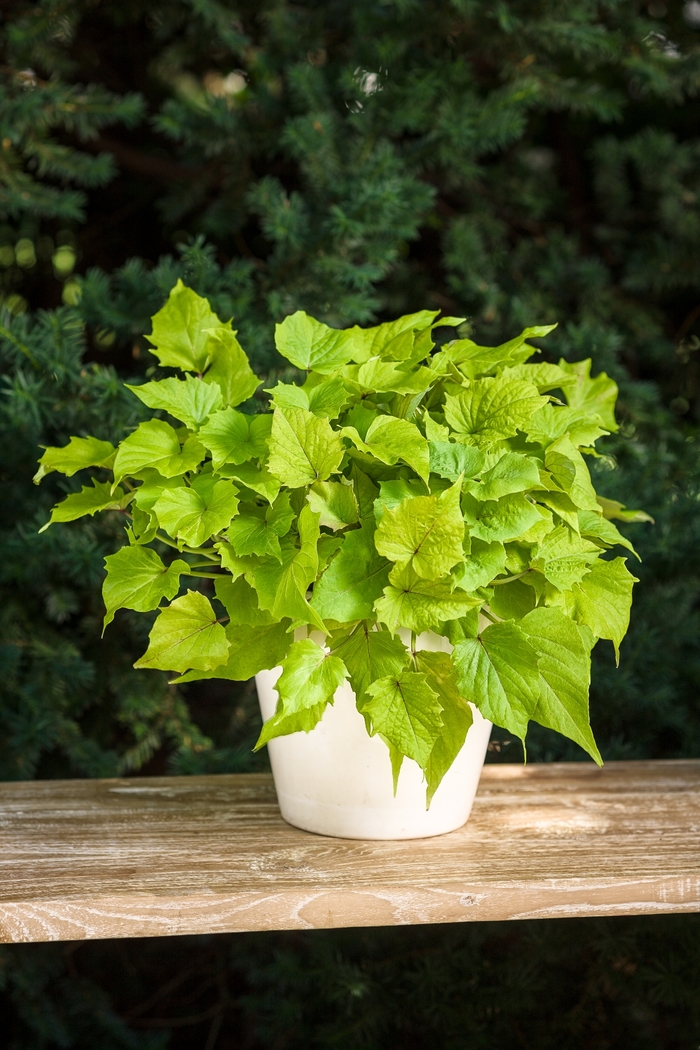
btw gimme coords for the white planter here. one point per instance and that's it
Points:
(337, 780)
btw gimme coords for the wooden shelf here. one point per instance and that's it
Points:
(175, 855)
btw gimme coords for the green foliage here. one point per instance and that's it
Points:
(355, 161)
(546, 589)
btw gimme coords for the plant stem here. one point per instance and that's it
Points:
(509, 579)
(204, 575)
(188, 550)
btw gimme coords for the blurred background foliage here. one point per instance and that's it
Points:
(513, 162)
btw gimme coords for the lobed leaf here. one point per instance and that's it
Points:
(354, 580)
(181, 335)
(308, 683)
(78, 454)
(154, 445)
(457, 717)
(602, 600)
(195, 513)
(421, 605)
(490, 410)
(498, 672)
(189, 400)
(303, 448)
(137, 579)
(369, 655)
(425, 532)
(406, 713)
(230, 369)
(233, 437)
(186, 635)
(309, 344)
(564, 664)
(252, 648)
(90, 500)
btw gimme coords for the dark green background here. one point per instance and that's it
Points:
(516, 163)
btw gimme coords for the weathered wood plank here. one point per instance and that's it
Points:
(161, 856)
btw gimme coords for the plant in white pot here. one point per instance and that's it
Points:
(404, 549)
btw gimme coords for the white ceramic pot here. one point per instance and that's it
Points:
(337, 780)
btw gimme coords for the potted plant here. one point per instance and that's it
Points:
(404, 548)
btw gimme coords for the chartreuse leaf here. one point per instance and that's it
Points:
(602, 600)
(186, 635)
(303, 448)
(308, 683)
(595, 397)
(475, 360)
(560, 503)
(151, 489)
(451, 460)
(143, 528)
(457, 717)
(498, 672)
(484, 563)
(389, 340)
(90, 500)
(389, 440)
(230, 369)
(328, 546)
(252, 648)
(611, 508)
(233, 437)
(579, 488)
(499, 520)
(596, 527)
(193, 514)
(76, 455)
(561, 468)
(544, 375)
(490, 410)
(512, 601)
(391, 493)
(421, 605)
(282, 586)
(406, 713)
(354, 579)
(181, 331)
(368, 655)
(238, 565)
(565, 672)
(425, 531)
(256, 479)
(335, 502)
(189, 399)
(467, 626)
(513, 472)
(309, 344)
(241, 602)
(553, 422)
(387, 376)
(564, 558)
(137, 579)
(326, 398)
(257, 531)
(155, 445)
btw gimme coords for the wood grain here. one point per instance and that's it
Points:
(182, 855)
